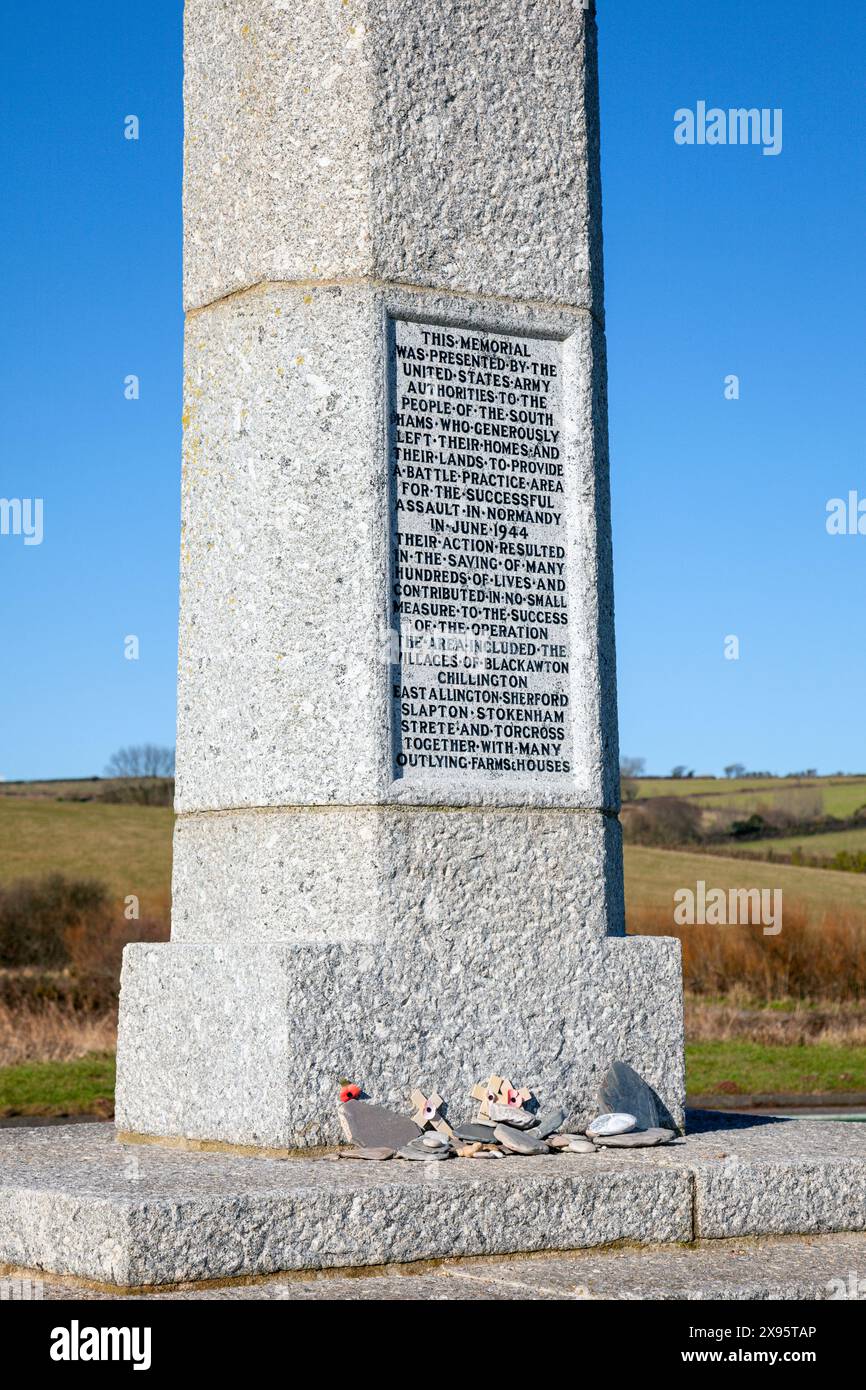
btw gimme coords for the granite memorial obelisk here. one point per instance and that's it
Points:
(397, 855)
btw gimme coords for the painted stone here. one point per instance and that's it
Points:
(611, 1124)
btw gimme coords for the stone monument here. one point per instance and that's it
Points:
(397, 857)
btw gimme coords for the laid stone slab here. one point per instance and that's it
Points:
(622, 1090)
(817, 1268)
(374, 1126)
(767, 1269)
(74, 1200)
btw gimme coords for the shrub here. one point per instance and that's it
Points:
(665, 821)
(149, 791)
(813, 957)
(37, 915)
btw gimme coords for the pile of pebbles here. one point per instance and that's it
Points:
(506, 1130)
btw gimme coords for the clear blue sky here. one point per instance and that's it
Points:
(719, 260)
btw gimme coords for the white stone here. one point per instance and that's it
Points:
(612, 1124)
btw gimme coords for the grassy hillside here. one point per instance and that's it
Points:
(815, 846)
(653, 875)
(127, 847)
(840, 796)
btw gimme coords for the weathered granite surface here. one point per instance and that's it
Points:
(480, 879)
(442, 144)
(78, 1202)
(73, 1200)
(284, 644)
(817, 1268)
(246, 1043)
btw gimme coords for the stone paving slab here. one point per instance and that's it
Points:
(816, 1268)
(74, 1201)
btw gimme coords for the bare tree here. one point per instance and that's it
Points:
(141, 760)
(632, 767)
(629, 769)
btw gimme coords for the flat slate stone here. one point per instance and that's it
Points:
(427, 1153)
(372, 1126)
(548, 1121)
(635, 1139)
(520, 1141)
(512, 1115)
(475, 1133)
(622, 1089)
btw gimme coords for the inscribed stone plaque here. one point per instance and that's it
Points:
(478, 586)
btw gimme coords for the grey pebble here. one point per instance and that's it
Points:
(548, 1121)
(637, 1139)
(512, 1115)
(520, 1142)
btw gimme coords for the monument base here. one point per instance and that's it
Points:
(74, 1201)
(248, 1044)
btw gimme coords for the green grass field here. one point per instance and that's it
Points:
(653, 875)
(814, 846)
(82, 1087)
(757, 1068)
(86, 1087)
(127, 847)
(841, 796)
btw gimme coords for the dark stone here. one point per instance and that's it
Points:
(475, 1134)
(622, 1089)
(374, 1127)
(548, 1121)
(419, 1154)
